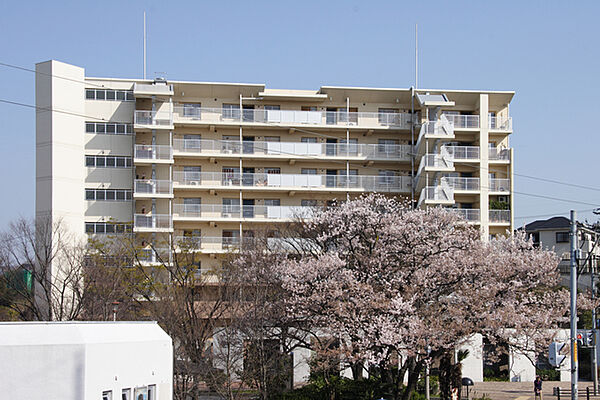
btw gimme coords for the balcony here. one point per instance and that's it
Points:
(499, 155)
(440, 129)
(292, 117)
(463, 121)
(224, 244)
(500, 217)
(153, 119)
(469, 214)
(152, 223)
(291, 150)
(467, 153)
(212, 212)
(499, 185)
(147, 90)
(441, 194)
(292, 182)
(461, 184)
(500, 124)
(145, 153)
(152, 188)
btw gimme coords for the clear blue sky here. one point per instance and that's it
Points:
(547, 51)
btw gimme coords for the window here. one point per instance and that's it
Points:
(388, 116)
(387, 146)
(191, 110)
(272, 170)
(562, 237)
(352, 180)
(274, 139)
(309, 140)
(386, 177)
(231, 111)
(192, 205)
(231, 207)
(351, 148)
(272, 202)
(192, 142)
(107, 395)
(308, 203)
(106, 227)
(273, 108)
(308, 171)
(309, 108)
(535, 237)
(108, 161)
(109, 94)
(108, 194)
(114, 128)
(126, 394)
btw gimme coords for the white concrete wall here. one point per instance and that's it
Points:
(80, 360)
(472, 366)
(60, 171)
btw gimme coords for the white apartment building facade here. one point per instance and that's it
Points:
(213, 162)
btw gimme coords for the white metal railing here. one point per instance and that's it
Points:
(500, 123)
(460, 183)
(499, 185)
(237, 211)
(153, 186)
(293, 117)
(153, 152)
(290, 181)
(496, 154)
(470, 214)
(300, 149)
(153, 221)
(463, 152)
(440, 193)
(160, 118)
(228, 243)
(500, 216)
(463, 121)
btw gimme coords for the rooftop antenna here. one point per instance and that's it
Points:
(416, 57)
(144, 45)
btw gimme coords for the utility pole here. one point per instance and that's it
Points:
(574, 372)
(595, 338)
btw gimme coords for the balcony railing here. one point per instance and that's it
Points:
(244, 211)
(499, 185)
(459, 183)
(152, 221)
(294, 181)
(153, 118)
(463, 121)
(293, 117)
(441, 193)
(470, 214)
(500, 123)
(293, 149)
(463, 152)
(153, 186)
(496, 154)
(153, 152)
(233, 243)
(500, 216)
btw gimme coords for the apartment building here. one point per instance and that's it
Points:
(554, 234)
(214, 162)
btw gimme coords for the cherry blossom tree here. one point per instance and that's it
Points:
(400, 287)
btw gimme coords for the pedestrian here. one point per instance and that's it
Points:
(537, 387)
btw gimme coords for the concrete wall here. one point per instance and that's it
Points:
(81, 360)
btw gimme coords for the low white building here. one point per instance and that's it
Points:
(85, 361)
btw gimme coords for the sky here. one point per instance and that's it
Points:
(546, 51)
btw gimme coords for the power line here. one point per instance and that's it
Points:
(50, 75)
(39, 108)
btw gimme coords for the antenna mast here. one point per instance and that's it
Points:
(144, 44)
(416, 57)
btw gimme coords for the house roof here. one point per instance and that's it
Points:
(547, 224)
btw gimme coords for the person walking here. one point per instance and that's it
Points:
(537, 388)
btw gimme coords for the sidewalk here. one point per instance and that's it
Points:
(520, 390)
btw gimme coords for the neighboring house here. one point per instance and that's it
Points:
(553, 234)
(85, 361)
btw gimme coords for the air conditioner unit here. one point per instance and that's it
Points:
(194, 182)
